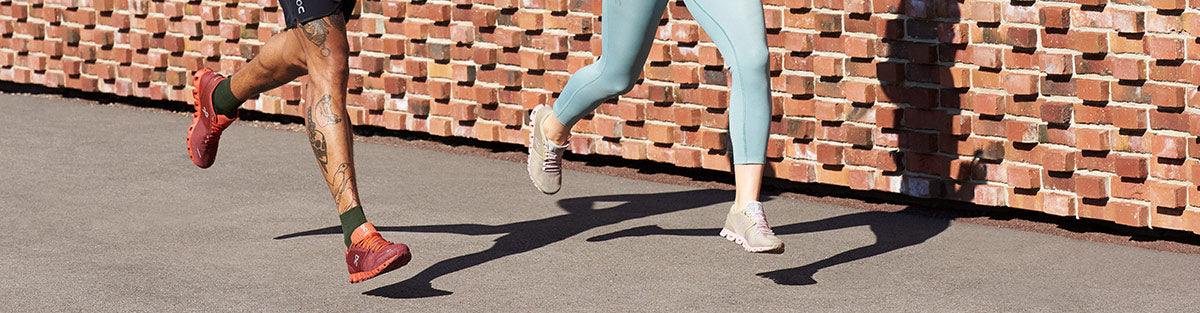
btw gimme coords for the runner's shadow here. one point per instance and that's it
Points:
(521, 237)
(892, 231)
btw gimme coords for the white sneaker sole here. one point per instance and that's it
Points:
(738, 239)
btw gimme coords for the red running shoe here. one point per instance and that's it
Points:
(371, 255)
(207, 125)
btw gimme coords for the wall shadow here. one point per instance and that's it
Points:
(521, 237)
(915, 67)
(893, 231)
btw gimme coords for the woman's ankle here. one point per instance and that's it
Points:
(552, 130)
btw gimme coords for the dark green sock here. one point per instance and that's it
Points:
(350, 220)
(223, 100)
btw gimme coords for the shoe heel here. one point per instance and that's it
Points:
(196, 88)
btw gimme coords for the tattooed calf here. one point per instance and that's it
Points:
(317, 139)
(341, 187)
(324, 110)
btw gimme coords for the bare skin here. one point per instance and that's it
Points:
(747, 177)
(319, 49)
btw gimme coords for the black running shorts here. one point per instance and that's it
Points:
(297, 12)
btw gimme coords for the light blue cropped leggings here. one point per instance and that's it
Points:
(737, 28)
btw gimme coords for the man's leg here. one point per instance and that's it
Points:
(319, 45)
(326, 52)
(217, 98)
(318, 48)
(323, 44)
(277, 63)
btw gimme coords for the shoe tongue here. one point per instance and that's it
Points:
(555, 148)
(754, 207)
(362, 231)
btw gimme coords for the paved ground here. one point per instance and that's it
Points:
(104, 212)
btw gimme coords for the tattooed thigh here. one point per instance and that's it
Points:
(317, 31)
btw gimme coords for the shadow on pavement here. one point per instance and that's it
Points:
(524, 236)
(893, 231)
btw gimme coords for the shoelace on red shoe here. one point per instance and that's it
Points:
(372, 242)
(553, 162)
(217, 128)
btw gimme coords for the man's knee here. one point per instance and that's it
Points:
(335, 68)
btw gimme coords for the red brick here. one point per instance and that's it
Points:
(1164, 48)
(1130, 118)
(1171, 147)
(1169, 4)
(829, 154)
(1168, 96)
(1060, 204)
(1129, 21)
(1132, 166)
(1024, 37)
(989, 195)
(1092, 89)
(1168, 195)
(688, 157)
(1021, 83)
(1093, 186)
(859, 91)
(828, 22)
(1057, 112)
(985, 11)
(1057, 159)
(1126, 68)
(989, 103)
(1022, 131)
(661, 133)
(859, 47)
(824, 65)
(1056, 63)
(1192, 218)
(1055, 16)
(1088, 41)
(987, 56)
(954, 33)
(1094, 139)
(1025, 177)
(1128, 213)
(830, 111)
(1166, 22)
(1126, 43)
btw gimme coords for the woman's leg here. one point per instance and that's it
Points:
(628, 31)
(629, 27)
(738, 30)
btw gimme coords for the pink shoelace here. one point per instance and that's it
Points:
(760, 222)
(553, 162)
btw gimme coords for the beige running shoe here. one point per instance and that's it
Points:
(749, 228)
(545, 158)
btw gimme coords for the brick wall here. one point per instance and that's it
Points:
(1084, 108)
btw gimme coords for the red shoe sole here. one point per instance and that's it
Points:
(391, 264)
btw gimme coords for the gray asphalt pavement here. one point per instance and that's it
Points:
(103, 211)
